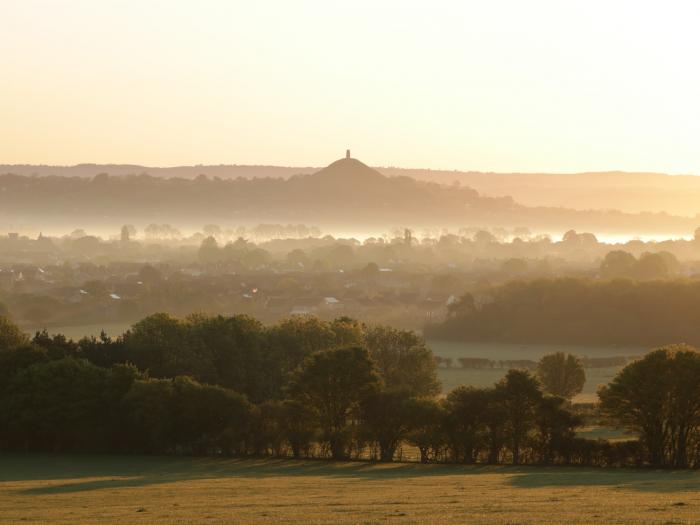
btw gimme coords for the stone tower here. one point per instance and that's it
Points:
(347, 153)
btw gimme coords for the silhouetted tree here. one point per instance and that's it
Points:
(464, 422)
(521, 396)
(334, 383)
(127, 232)
(654, 266)
(618, 263)
(561, 374)
(299, 426)
(150, 409)
(10, 335)
(556, 428)
(209, 251)
(425, 426)
(495, 418)
(18, 358)
(658, 397)
(57, 405)
(403, 360)
(166, 347)
(386, 415)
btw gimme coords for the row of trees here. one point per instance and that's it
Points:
(337, 404)
(621, 264)
(577, 311)
(258, 360)
(658, 398)
(374, 400)
(481, 363)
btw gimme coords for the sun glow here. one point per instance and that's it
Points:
(502, 86)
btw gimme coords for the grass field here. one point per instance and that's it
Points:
(134, 489)
(455, 376)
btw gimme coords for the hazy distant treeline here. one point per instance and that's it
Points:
(403, 279)
(346, 194)
(518, 250)
(577, 311)
(185, 172)
(484, 363)
(629, 192)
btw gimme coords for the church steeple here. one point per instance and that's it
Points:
(347, 153)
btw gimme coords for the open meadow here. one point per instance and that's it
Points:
(456, 376)
(80, 489)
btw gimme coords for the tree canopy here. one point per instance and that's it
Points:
(561, 374)
(658, 397)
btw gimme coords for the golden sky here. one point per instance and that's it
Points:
(482, 85)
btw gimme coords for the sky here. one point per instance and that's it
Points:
(557, 86)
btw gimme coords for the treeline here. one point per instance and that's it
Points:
(328, 390)
(577, 311)
(332, 194)
(483, 363)
(242, 354)
(621, 264)
(346, 192)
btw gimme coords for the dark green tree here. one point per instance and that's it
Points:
(561, 374)
(299, 426)
(167, 347)
(57, 405)
(403, 360)
(464, 422)
(294, 339)
(521, 396)
(10, 335)
(495, 418)
(334, 383)
(556, 428)
(425, 427)
(658, 397)
(151, 416)
(240, 357)
(387, 419)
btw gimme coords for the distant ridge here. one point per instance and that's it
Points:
(347, 195)
(625, 191)
(186, 172)
(348, 169)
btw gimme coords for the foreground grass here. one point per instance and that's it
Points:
(145, 489)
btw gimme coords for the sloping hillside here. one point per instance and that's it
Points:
(346, 195)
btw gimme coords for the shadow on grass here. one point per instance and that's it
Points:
(82, 473)
(644, 480)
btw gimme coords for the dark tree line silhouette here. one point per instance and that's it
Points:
(577, 311)
(340, 389)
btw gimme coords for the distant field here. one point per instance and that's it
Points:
(455, 376)
(113, 489)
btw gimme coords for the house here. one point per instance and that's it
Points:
(331, 302)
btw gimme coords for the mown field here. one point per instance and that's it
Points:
(140, 489)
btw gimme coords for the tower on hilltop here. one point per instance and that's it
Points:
(347, 153)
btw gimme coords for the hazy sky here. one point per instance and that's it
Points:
(484, 85)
